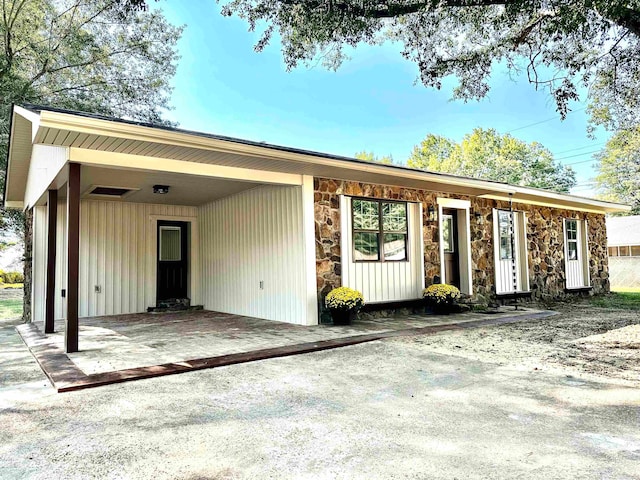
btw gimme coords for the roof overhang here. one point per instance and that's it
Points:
(83, 131)
(24, 125)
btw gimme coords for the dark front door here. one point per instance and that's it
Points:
(173, 260)
(450, 241)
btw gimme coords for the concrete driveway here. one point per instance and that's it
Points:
(384, 409)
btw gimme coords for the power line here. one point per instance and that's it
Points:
(580, 148)
(578, 163)
(545, 121)
(578, 155)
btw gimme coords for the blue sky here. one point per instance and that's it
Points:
(371, 103)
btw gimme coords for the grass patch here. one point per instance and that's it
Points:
(11, 285)
(10, 308)
(621, 300)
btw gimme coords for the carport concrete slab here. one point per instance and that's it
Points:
(127, 347)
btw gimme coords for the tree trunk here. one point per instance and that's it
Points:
(28, 265)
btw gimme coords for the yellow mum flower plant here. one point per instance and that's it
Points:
(440, 294)
(344, 298)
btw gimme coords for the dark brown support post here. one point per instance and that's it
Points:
(50, 298)
(73, 250)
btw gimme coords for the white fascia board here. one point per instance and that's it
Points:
(115, 129)
(618, 207)
(579, 207)
(34, 120)
(33, 117)
(16, 205)
(140, 162)
(127, 131)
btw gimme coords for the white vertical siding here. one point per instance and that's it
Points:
(117, 253)
(384, 281)
(253, 237)
(39, 272)
(61, 259)
(46, 163)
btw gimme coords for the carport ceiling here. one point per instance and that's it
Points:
(184, 189)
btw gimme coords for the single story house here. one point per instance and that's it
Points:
(126, 215)
(623, 239)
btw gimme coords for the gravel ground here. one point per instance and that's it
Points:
(459, 405)
(598, 343)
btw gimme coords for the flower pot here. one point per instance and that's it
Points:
(343, 317)
(439, 308)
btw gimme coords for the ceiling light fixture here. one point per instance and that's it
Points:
(161, 189)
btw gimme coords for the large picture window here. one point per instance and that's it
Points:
(379, 230)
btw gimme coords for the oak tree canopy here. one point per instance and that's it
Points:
(563, 46)
(98, 56)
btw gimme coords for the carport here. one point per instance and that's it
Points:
(127, 217)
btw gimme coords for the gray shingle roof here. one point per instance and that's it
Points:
(623, 230)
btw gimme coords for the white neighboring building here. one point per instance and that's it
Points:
(623, 240)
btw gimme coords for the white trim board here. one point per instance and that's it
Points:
(464, 241)
(309, 235)
(141, 162)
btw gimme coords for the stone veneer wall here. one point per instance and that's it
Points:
(545, 238)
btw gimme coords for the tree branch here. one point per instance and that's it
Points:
(380, 10)
(626, 17)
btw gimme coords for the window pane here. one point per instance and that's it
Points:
(394, 217)
(395, 246)
(572, 229)
(170, 244)
(366, 246)
(505, 248)
(504, 223)
(613, 251)
(504, 226)
(572, 250)
(447, 233)
(624, 251)
(635, 251)
(365, 215)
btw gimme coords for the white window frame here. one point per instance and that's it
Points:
(582, 243)
(374, 279)
(380, 232)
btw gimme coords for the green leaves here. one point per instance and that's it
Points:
(372, 157)
(619, 169)
(489, 155)
(101, 56)
(563, 46)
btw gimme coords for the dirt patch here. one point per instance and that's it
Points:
(626, 338)
(583, 341)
